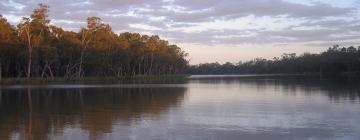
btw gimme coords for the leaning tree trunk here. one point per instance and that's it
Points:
(80, 65)
(84, 44)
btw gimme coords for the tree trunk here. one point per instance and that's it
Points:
(80, 65)
(43, 71)
(145, 66)
(84, 44)
(151, 64)
(29, 36)
(139, 65)
(47, 68)
(50, 70)
(29, 63)
(133, 69)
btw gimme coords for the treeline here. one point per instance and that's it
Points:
(35, 48)
(336, 60)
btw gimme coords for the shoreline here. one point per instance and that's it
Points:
(124, 79)
(167, 78)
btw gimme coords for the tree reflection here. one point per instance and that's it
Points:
(40, 112)
(337, 89)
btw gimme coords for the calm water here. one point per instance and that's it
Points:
(201, 108)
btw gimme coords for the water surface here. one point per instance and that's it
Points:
(201, 108)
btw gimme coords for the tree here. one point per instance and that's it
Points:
(27, 37)
(7, 38)
(37, 49)
(334, 61)
(32, 31)
(68, 49)
(8, 41)
(86, 36)
(152, 44)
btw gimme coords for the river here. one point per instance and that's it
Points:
(199, 108)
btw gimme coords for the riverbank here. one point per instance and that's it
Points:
(125, 79)
(153, 79)
(295, 76)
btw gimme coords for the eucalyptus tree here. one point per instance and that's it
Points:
(37, 49)
(32, 31)
(97, 42)
(85, 37)
(68, 49)
(7, 40)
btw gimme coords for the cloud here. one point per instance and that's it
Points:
(209, 22)
(144, 27)
(239, 8)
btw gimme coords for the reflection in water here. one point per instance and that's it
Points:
(39, 113)
(336, 89)
(277, 108)
(249, 108)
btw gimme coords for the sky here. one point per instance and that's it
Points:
(215, 30)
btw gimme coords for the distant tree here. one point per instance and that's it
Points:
(335, 61)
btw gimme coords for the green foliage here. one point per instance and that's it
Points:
(38, 49)
(334, 61)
